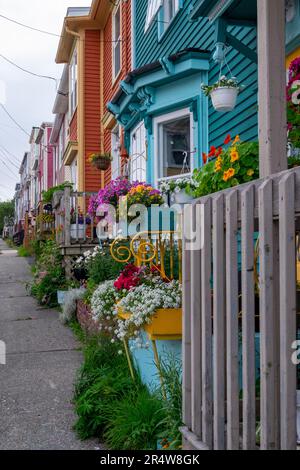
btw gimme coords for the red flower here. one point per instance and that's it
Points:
(219, 151)
(212, 152)
(204, 158)
(227, 140)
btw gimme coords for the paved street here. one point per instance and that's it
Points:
(36, 384)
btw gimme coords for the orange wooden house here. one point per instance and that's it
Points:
(95, 46)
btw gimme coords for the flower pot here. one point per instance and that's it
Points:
(166, 324)
(77, 231)
(102, 163)
(61, 297)
(182, 197)
(224, 99)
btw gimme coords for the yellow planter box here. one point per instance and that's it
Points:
(166, 324)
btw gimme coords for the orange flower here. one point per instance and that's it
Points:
(229, 174)
(236, 140)
(204, 158)
(234, 154)
(228, 139)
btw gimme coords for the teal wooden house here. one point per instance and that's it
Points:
(168, 122)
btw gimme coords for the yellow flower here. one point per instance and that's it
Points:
(229, 174)
(250, 172)
(236, 140)
(234, 154)
(218, 166)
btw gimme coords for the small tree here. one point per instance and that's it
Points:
(6, 210)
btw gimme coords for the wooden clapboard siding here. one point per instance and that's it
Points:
(92, 112)
(184, 33)
(111, 86)
(73, 127)
(271, 206)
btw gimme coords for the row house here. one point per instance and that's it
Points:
(95, 48)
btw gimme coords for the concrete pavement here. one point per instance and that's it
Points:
(36, 384)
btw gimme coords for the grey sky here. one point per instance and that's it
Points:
(28, 99)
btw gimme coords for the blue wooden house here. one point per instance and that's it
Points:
(169, 123)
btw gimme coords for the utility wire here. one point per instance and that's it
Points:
(13, 120)
(28, 71)
(29, 27)
(11, 154)
(46, 32)
(11, 171)
(8, 159)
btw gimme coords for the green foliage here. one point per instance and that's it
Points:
(172, 407)
(103, 268)
(110, 405)
(135, 423)
(236, 165)
(48, 195)
(104, 378)
(7, 209)
(23, 252)
(49, 275)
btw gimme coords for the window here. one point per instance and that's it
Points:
(115, 152)
(153, 7)
(116, 45)
(138, 153)
(168, 12)
(73, 83)
(174, 143)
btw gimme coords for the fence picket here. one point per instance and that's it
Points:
(287, 311)
(248, 319)
(206, 324)
(196, 374)
(232, 312)
(267, 318)
(219, 322)
(187, 294)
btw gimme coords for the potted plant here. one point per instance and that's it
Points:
(101, 161)
(77, 227)
(178, 189)
(223, 93)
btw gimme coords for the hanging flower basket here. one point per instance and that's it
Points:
(223, 93)
(224, 99)
(101, 161)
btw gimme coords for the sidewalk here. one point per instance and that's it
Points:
(36, 384)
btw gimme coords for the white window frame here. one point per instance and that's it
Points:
(73, 83)
(152, 10)
(138, 161)
(165, 17)
(158, 164)
(117, 43)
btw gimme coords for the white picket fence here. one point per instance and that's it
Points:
(221, 411)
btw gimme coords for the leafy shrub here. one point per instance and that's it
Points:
(103, 267)
(235, 165)
(48, 195)
(49, 275)
(103, 378)
(135, 423)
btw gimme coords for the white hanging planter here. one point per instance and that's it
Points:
(224, 98)
(77, 231)
(182, 197)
